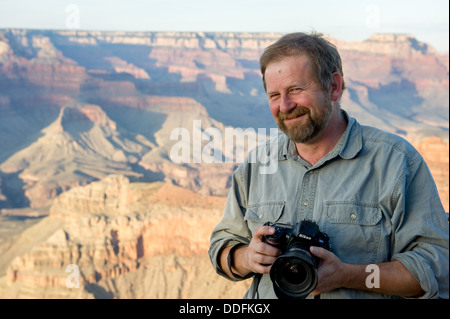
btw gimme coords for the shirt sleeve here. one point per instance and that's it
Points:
(232, 229)
(421, 230)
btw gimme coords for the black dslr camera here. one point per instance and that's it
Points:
(294, 272)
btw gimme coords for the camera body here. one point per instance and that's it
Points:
(294, 272)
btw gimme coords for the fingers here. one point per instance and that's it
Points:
(320, 252)
(330, 271)
(262, 231)
(323, 254)
(261, 255)
(261, 268)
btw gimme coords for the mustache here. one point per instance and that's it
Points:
(296, 112)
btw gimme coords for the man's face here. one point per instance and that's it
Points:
(298, 104)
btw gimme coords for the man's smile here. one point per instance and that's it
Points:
(294, 115)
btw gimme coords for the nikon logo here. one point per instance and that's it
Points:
(304, 236)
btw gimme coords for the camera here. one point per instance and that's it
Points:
(294, 272)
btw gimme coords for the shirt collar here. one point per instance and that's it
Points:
(347, 147)
(352, 138)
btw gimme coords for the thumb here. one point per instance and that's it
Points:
(320, 252)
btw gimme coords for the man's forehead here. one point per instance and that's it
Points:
(287, 63)
(290, 66)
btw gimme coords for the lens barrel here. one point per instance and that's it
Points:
(294, 273)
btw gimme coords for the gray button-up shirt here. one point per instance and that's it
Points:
(373, 195)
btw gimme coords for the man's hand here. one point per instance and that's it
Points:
(260, 256)
(257, 257)
(330, 272)
(395, 279)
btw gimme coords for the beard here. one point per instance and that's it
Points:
(312, 126)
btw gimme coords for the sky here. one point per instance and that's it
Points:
(349, 20)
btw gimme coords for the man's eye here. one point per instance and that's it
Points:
(273, 96)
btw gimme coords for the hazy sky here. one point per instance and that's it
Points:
(346, 19)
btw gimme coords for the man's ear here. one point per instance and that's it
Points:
(336, 87)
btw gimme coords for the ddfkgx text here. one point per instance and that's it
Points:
(246, 308)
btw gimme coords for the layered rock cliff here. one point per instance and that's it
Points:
(128, 239)
(79, 105)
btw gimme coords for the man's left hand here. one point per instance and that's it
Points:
(331, 271)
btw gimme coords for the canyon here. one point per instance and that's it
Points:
(86, 131)
(127, 238)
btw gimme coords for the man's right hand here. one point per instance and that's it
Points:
(257, 257)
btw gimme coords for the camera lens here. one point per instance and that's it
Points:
(294, 273)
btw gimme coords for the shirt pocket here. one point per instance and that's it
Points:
(260, 213)
(354, 229)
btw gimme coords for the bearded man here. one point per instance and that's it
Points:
(369, 191)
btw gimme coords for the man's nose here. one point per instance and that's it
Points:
(286, 104)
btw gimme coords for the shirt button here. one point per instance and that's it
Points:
(353, 216)
(306, 203)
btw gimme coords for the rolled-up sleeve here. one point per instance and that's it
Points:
(232, 229)
(421, 230)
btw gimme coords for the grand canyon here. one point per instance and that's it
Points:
(86, 132)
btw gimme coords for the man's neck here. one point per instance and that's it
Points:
(323, 143)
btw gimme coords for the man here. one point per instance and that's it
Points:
(370, 191)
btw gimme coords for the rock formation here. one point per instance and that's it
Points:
(76, 106)
(128, 238)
